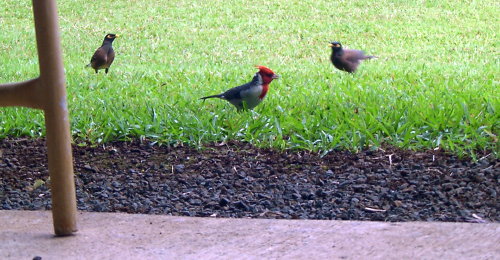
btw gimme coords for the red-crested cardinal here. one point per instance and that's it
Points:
(249, 95)
(346, 60)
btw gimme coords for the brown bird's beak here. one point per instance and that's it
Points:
(275, 76)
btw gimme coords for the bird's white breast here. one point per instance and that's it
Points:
(251, 96)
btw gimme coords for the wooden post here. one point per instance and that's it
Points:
(48, 92)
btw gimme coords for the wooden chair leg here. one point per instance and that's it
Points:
(48, 92)
(53, 83)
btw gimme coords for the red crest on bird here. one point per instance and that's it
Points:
(264, 69)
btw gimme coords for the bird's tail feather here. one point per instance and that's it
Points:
(370, 57)
(213, 96)
(88, 65)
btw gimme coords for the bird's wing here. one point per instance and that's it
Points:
(252, 92)
(354, 55)
(99, 58)
(231, 94)
(111, 56)
(237, 92)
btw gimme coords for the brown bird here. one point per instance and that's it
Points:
(105, 55)
(346, 60)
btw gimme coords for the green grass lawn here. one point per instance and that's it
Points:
(434, 85)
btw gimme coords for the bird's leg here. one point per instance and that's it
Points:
(106, 70)
(96, 71)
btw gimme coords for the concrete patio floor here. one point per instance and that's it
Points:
(26, 234)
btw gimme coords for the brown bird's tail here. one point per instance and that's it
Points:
(213, 96)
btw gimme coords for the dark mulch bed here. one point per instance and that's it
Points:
(239, 180)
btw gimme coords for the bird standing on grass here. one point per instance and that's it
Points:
(346, 60)
(104, 56)
(249, 95)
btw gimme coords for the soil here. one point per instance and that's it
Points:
(239, 180)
